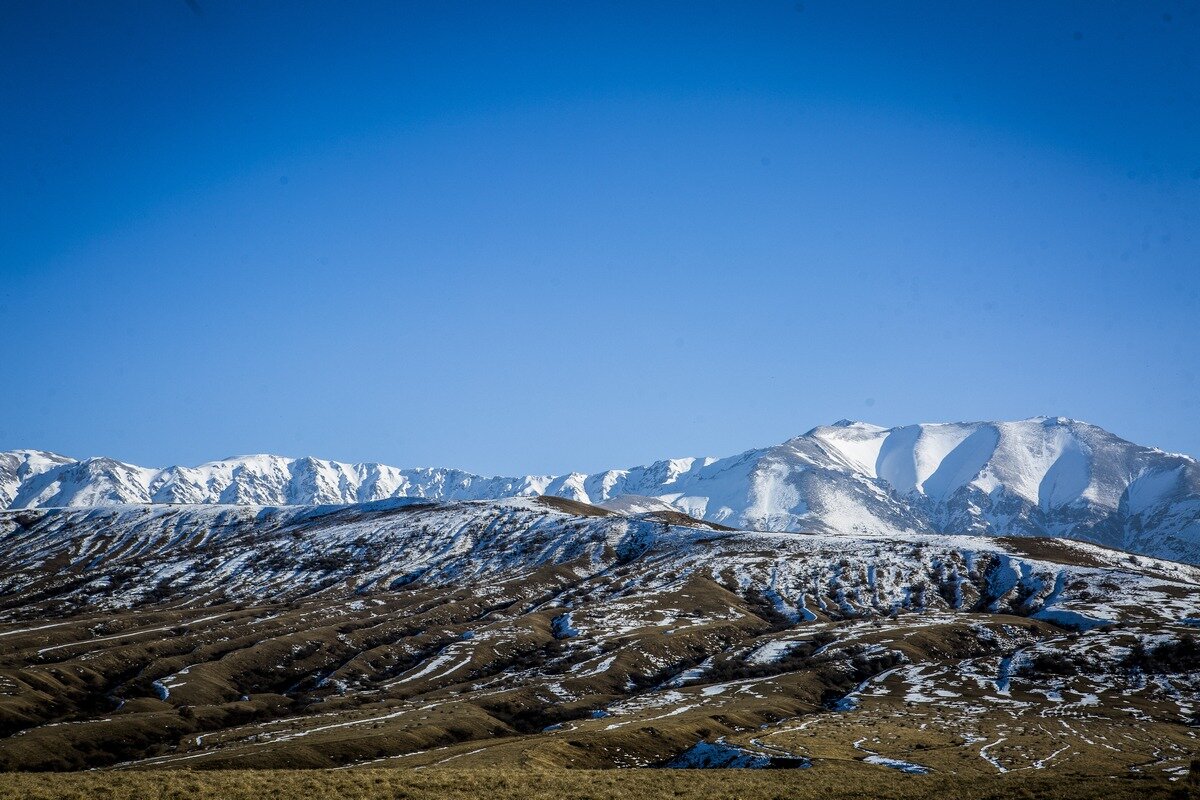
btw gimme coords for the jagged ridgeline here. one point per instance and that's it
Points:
(1039, 477)
(550, 632)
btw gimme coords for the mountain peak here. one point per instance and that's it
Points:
(1048, 421)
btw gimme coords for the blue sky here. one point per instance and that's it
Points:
(538, 237)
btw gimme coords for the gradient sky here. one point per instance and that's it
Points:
(574, 235)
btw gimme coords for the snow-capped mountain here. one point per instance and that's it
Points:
(1040, 476)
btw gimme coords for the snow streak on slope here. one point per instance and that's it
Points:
(124, 556)
(1042, 476)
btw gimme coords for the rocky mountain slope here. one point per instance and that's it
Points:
(545, 632)
(1042, 476)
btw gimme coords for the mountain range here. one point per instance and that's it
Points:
(1045, 476)
(179, 619)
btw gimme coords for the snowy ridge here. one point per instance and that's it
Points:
(121, 556)
(1045, 476)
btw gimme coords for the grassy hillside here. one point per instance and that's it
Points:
(543, 638)
(827, 783)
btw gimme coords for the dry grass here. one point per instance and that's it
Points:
(572, 507)
(1047, 549)
(828, 783)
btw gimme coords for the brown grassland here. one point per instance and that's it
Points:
(829, 782)
(563, 653)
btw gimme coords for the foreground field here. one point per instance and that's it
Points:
(829, 782)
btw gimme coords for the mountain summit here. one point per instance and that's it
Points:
(1046, 476)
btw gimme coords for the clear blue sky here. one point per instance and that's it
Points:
(573, 235)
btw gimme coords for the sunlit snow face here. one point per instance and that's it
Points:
(1043, 476)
